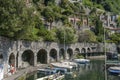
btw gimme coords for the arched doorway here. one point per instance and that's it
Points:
(1, 59)
(12, 59)
(53, 55)
(42, 56)
(27, 58)
(83, 51)
(76, 53)
(62, 54)
(70, 53)
(88, 52)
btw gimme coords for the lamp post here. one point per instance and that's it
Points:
(105, 55)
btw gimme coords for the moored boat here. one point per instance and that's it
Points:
(51, 73)
(81, 61)
(114, 70)
(70, 63)
(52, 77)
(61, 65)
(46, 71)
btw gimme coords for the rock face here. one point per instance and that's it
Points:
(21, 54)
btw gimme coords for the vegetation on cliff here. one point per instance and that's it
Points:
(33, 19)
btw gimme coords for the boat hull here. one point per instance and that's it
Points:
(114, 70)
(82, 61)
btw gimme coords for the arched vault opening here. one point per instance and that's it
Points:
(53, 55)
(42, 56)
(1, 59)
(12, 59)
(28, 58)
(62, 54)
(70, 53)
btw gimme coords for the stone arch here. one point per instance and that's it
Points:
(70, 53)
(62, 53)
(1, 59)
(27, 58)
(77, 51)
(12, 59)
(42, 56)
(88, 50)
(53, 55)
(83, 50)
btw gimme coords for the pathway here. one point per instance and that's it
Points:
(23, 71)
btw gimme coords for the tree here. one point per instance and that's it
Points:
(10, 22)
(99, 30)
(49, 15)
(115, 38)
(118, 21)
(46, 2)
(87, 36)
(66, 35)
(18, 20)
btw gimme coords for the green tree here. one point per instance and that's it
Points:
(18, 20)
(115, 38)
(87, 36)
(49, 15)
(118, 21)
(66, 35)
(49, 2)
(9, 17)
(50, 36)
(99, 30)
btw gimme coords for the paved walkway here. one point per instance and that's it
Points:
(23, 71)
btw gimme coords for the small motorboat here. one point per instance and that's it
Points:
(70, 63)
(114, 70)
(81, 61)
(51, 73)
(58, 70)
(46, 71)
(62, 65)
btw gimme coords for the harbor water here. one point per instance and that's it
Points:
(92, 71)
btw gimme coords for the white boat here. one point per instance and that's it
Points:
(69, 63)
(62, 65)
(52, 77)
(81, 61)
(114, 70)
(46, 71)
(52, 74)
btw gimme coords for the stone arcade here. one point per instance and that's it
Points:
(22, 54)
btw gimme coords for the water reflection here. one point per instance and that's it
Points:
(92, 71)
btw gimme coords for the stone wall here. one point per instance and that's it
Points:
(17, 48)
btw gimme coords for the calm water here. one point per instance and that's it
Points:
(92, 71)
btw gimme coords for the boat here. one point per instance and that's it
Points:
(114, 70)
(51, 74)
(46, 72)
(70, 63)
(58, 70)
(62, 65)
(52, 77)
(81, 61)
